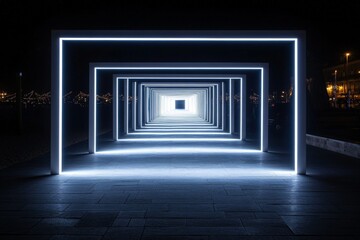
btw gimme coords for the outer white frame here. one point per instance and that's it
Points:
(297, 38)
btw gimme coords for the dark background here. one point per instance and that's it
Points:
(331, 26)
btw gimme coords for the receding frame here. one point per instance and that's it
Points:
(164, 85)
(154, 84)
(126, 77)
(261, 67)
(297, 38)
(116, 77)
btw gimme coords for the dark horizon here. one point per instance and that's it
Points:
(330, 26)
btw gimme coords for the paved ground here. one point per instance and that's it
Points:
(188, 195)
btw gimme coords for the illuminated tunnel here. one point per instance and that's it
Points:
(179, 86)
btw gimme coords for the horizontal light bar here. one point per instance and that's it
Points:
(178, 140)
(200, 39)
(180, 68)
(181, 172)
(166, 150)
(179, 133)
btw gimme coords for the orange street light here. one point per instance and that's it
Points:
(335, 89)
(347, 54)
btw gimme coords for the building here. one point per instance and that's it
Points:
(345, 79)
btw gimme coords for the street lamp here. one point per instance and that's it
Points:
(335, 89)
(347, 80)
(19, 102)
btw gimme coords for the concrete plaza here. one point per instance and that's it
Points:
(181, 194)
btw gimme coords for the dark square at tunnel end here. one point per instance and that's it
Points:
(179, 104)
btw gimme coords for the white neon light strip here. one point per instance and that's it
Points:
(260, 39)
(213, 104)
(156, 150)
(230, 106)
(168, 89)
(126, 106)
(60, 103)
(174, 68)
(116, 99)
(177, 128)
(146, 93)
(140, 107)
(95, 109)
(223, 106)
(179, 68)
(180, 93)
(167, 84)
(296, 96)
(165, 39)
(165, 172)
(171, 125)
(206, 106)
(262, 110)
(172, 85)
(179, 133)
(201, 84)
(176, 84)
(200, 68)
(217, 105)
(241, 108)
(134, 105)
(178, 140)
(172, 77)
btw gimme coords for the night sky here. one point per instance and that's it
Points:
(332, 27)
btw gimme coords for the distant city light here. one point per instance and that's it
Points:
(3, 95)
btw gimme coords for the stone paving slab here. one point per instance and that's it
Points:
(325, 204)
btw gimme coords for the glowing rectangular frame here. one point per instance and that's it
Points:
(211, 110)
(161, 76)
(169, 85)
(242, 84)
(156, 91)
(295, 37)
(241, 79)
(115, 93)
(124, 77)
(146, 125)
(216, 126)
(262, 67)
